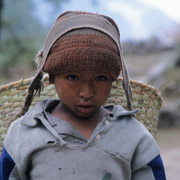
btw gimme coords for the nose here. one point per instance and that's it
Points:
(86, 91)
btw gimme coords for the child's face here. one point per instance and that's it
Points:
(83, 92)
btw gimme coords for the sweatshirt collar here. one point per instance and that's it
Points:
(34, 115)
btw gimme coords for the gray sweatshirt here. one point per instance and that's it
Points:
(40, 147)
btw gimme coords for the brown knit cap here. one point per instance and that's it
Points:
(83, 49)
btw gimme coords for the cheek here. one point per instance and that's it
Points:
(61, 91)
(65, 93)
(104, 91)
(107, 92)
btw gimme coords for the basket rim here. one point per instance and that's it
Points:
(146, 91)
(27, 81)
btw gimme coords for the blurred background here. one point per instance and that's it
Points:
(150, 36)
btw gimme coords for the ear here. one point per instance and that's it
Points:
(51, 79)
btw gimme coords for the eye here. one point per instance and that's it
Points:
(101, 78)
(72, 77)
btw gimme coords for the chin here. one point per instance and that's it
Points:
(84, 116)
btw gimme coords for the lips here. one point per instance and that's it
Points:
(85, 108)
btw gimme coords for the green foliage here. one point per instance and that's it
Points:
(21, 35)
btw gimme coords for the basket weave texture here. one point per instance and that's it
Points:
(145, 97)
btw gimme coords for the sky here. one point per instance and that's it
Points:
(133, 11)
(170, 7)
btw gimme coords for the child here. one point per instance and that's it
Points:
(76, 137)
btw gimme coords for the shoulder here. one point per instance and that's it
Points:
(131, 129)
(29, 116)
(25, 129)
(126, 122)
(128, 136)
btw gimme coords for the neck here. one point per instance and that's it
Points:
(85, 125)
(62, 112)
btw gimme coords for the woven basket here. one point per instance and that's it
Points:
(145, 98)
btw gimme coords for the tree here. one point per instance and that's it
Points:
(1, 8)
(19, 39)
(22, 33)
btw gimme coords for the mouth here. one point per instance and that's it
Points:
(85, 108)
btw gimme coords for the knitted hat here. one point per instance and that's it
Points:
(105, 56)
(83, 49)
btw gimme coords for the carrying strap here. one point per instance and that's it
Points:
(80, 21)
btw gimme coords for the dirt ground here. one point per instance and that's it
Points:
(169, 143)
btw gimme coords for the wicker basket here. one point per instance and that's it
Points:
(145, 98)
